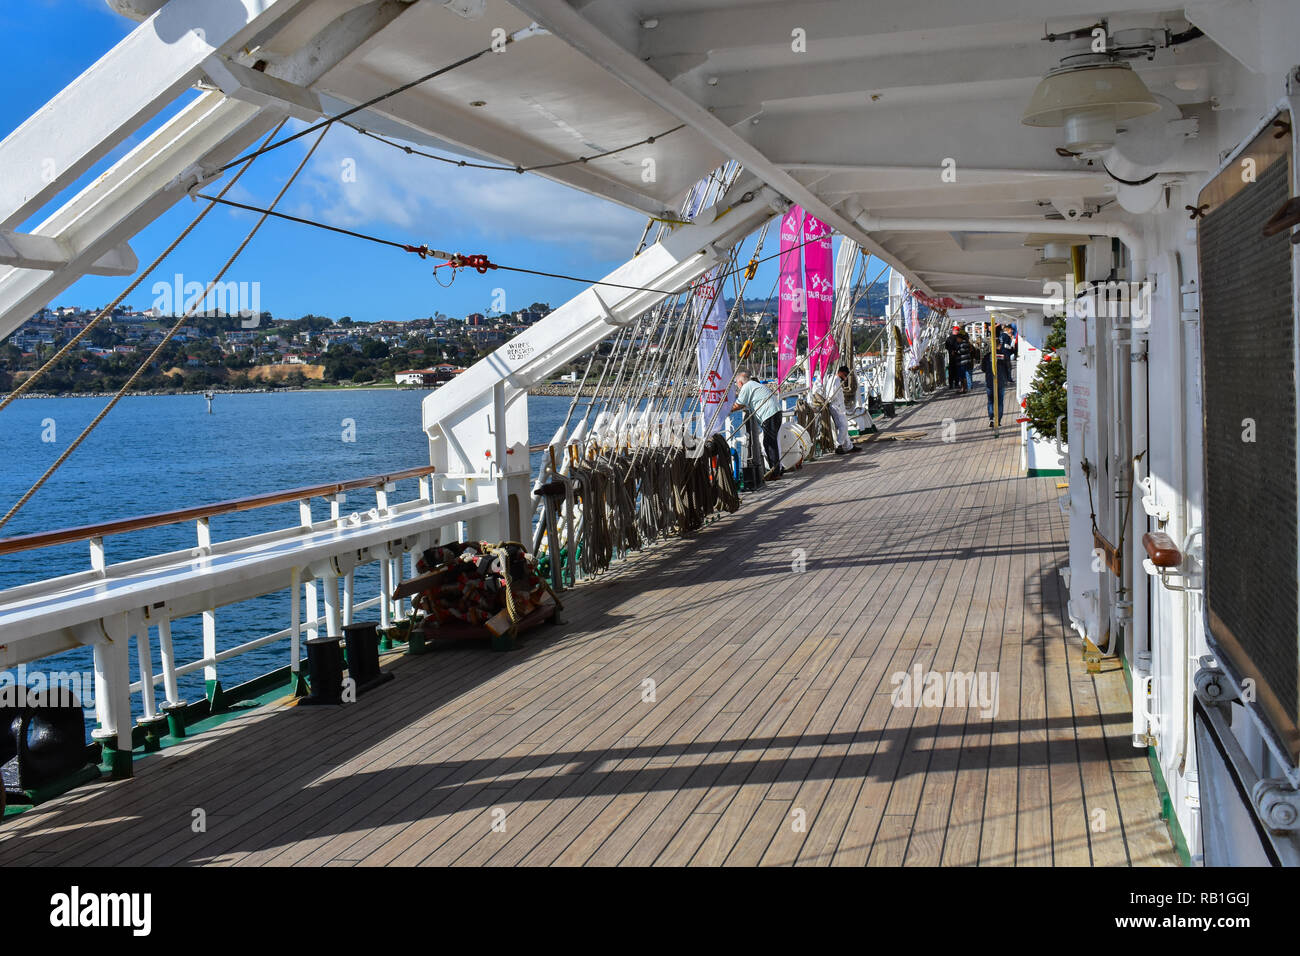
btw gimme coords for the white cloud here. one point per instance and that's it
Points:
(423, 200)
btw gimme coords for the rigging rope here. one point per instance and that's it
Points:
(480, 263)
(517, 168)
(126, 386)
(108, 309)
(330, 120)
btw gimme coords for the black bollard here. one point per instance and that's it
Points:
(324, 671)
(363, 654)
(49, 743)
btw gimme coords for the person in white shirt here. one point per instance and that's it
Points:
(763, 405)
(831, 388)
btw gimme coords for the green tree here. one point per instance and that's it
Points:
(1045, 403)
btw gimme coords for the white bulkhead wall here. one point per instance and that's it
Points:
(1176, 635)
(1133, 387)
(1084, 607)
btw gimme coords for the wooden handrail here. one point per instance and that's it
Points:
(45, 539)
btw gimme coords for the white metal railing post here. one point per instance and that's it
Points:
(210, 653)
(209, 622)
(113, 696)
(331, 585)
(295, 623)
(114, 686)
(348, 580)
(385, 589)
(144, 660)
(168, 661)
(394, 580)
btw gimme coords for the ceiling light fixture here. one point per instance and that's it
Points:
(1089, 95)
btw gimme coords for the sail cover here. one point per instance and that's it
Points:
(791, 300)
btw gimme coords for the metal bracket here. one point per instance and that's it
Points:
(1277, 804)
(1212, 684)
(610, 317)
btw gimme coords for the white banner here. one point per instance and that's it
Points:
(716, 390)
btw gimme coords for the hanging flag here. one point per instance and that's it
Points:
(912, 325)
(819, 281)
(791, 294)
(716, 389)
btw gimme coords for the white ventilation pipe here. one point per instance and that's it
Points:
(1125, 233)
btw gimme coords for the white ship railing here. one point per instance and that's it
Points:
(108, 605)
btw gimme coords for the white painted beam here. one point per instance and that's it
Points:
(206, 134)
(565, 22)
(256, 87)
(127, 86)
(1259, 34)
(457, 416)
(501, 146)
(132, 194)
(25, 251)
(769, 24)
(813, 81)
(915, 135)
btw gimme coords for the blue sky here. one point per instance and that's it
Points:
(520, 220)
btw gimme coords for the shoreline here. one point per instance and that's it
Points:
(543, 391)
(222, 391)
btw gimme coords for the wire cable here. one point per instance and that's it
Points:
(330, 120)
(126, 386)
(108, 309)
(517, 168)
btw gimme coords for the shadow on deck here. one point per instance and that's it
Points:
(725, 698)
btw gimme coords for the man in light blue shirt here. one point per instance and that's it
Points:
(757, 399)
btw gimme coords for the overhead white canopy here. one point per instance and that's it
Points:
(866, 114)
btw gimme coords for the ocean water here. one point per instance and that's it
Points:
(157, 453)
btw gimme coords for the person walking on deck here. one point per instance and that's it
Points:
(757, 399)
(1004, 351)
(831, 388)
(952, 345)
(965, 361)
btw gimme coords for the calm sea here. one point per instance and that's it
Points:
(156, 453)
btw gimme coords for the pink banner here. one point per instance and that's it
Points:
(819, 280)
(791, 309)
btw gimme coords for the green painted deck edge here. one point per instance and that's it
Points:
(1045, 473)
(1167, 809)
(258, 692)
(1162, 789)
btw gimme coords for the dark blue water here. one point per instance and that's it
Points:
(158, 453)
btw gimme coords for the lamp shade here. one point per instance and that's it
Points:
(1088, 100)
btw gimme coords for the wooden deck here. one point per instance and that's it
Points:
(771, 737)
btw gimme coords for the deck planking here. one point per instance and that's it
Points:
(772, 738)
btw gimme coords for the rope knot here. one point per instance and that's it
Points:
(479, 263)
